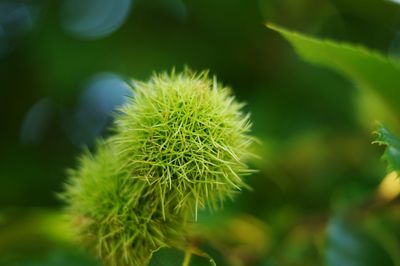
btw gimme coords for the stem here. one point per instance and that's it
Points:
(188, 256)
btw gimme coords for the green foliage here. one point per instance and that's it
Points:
(373, 72)
(370, 242)
(370, 70)
(392, 149)
(179, 145)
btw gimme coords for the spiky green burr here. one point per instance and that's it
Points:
(113, 215)
(179, 145)
(186, 136)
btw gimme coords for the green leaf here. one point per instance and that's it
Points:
(174, 257)
(371, 71)
(392, 150)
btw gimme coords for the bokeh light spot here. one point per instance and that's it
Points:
(104, 93)
(92, 19)
(36, 122)
(16, 18)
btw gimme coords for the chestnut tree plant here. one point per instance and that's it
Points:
(179, 145)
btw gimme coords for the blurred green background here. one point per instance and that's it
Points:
(317, 198)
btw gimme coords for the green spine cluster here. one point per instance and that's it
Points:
(179, 145)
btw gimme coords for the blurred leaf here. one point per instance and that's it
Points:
(371, 71)
(392, 150)
(349, 245)
(385, 233)
(33, 231)
(244, 239)
(59, 257)
(174, 257)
